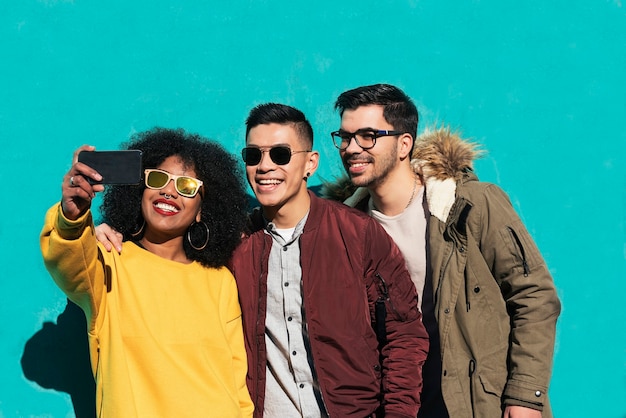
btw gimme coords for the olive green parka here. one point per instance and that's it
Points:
(495, 302)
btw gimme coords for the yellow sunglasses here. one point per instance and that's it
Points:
(185, 186)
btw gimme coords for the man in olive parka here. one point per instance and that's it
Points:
(488, 299)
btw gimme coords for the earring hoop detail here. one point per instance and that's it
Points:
(194, 226)
(140, 230)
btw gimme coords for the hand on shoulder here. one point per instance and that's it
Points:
(109, 237)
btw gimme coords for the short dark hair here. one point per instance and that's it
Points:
(224, 201)
(398, 108)
(267, 113)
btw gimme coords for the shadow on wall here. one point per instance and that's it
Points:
(57, 357)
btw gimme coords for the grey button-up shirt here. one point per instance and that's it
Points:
(292, 389)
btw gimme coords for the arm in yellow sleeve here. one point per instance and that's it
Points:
(71, 256)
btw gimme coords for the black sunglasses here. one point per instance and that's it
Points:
(280, 154)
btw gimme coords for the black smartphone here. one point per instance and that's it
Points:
(115, 167)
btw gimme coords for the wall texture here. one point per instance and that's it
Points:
(539, 84)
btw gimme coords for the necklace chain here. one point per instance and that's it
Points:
(412, 193)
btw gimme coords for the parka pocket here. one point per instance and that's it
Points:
(486, 391)
(523, 250)
(493, 383)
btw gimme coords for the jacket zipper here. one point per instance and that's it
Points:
(467, 294)
(521, 250)
(472, 369)
(385, 292)
(258, 325)
(380, 312)
(441, 273)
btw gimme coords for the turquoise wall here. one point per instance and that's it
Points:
(539, 83)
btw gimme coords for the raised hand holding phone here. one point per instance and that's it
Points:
(77, 192)
(92, 169)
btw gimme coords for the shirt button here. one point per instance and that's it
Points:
(301, 385)
(284, 248)
(293, 352)
(538, 393)
(290, 319)
(447, 310)
(287, 284)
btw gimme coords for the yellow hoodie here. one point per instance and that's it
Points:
(165, 338)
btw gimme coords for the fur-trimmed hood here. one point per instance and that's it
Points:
(440, 156)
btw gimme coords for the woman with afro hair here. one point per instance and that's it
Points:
(164, 322)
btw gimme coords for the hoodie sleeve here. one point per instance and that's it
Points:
(71, 256)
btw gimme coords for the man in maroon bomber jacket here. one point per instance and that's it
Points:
(309, 275)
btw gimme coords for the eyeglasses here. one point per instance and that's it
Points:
(365, 138)
(280, 154)
(185, 186)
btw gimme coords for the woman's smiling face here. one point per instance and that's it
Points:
(168, 214)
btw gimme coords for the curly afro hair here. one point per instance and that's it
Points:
(224, 201)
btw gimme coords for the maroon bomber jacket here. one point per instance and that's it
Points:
(345, 255)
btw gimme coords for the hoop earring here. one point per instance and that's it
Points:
(139, 231)
(196, 225)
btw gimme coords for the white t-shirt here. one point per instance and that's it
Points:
(408, 230)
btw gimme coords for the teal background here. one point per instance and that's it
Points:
(540, 84)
